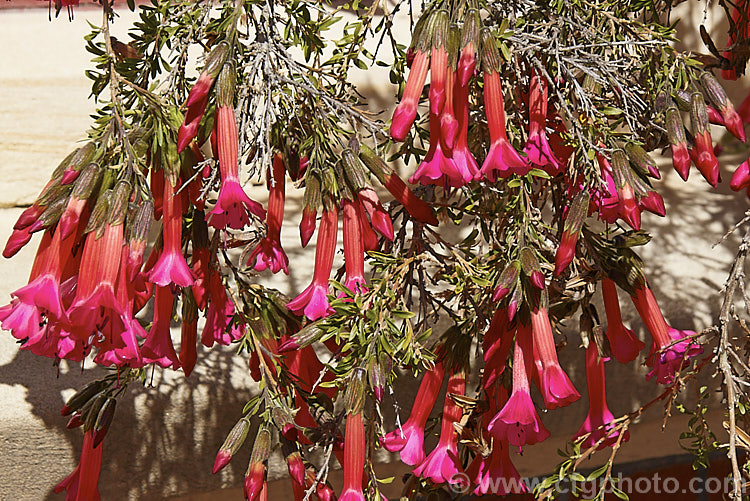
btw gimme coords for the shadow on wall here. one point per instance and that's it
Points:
(164, 438)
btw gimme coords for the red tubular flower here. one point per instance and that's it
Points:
(654, 203)
(409, 440)
(38, 306)
(448, 121)
(598, 422)
(354, 250)
(269, 254)
(219, 314)
(200, 261)
(171, 267)
(354, 458)
(462, 156)
(437, 167)
(502, 159)
(556, 387)
(158, 347)
(233, 204)
(198, 98)
(82, 484)
(537, 148)
(442, 464)
(415, 206)
(518, 421)
(665, 358)
(494, 473)
(188, 335)
(313, 301)
(406, 111)
(625, 346)
(496, 346)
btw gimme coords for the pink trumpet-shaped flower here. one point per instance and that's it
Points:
(555, 385)
(437, 167)
(537, 148)
(669, 349)
(354, 250)
(268, 254)
(171, 267)
(313, 301)
(502, 159)
(354, 458)
(598, 422)
(406, 111)
(463, 159)
(518, 421)
(409, 440)
(158, 347)
(625, 346)
(442, 464)
(82, 484)
(494, 473)
(233, 204)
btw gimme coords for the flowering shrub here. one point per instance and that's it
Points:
(533, 135)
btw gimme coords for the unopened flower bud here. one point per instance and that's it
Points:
(75, 421)
(92, 409)
(81, 158)
(104, 419)
(353, 171)
(232, 444)
(713, 89)
(642, 160)
(216, 59)
(87, 181)
(682, 99)
(138, 228)
(354, 398)
(507, 280)
(305, 337)
(513, 303)
(51, 214)
(531, 267)
(376, 379)
(82, 396)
